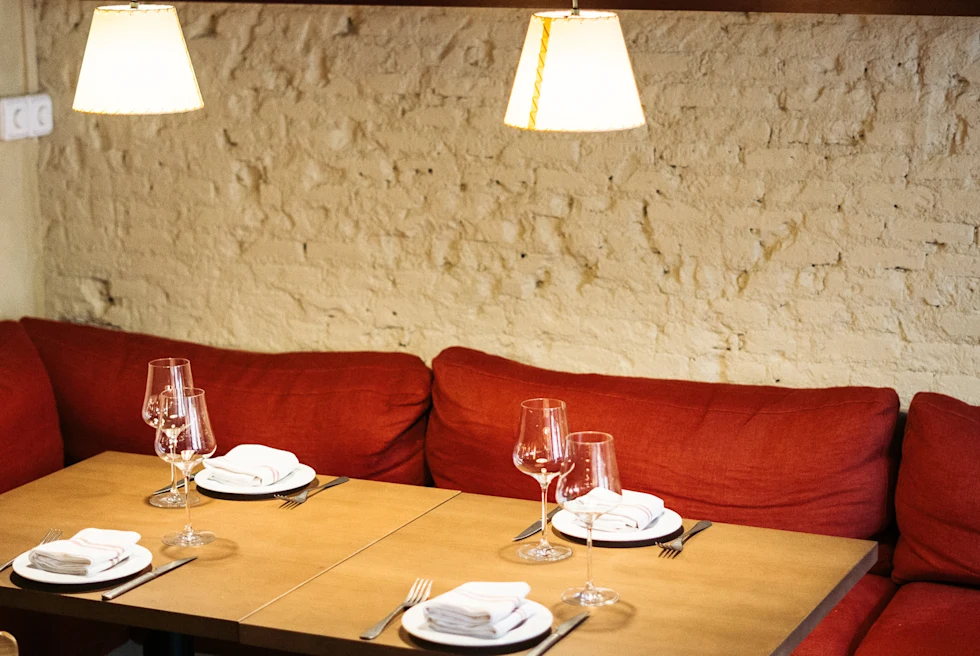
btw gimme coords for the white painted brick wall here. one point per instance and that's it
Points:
(801, 208)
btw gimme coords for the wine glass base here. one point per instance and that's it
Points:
(544, 554)
(173, 501)
(195, 539)
(590, 597)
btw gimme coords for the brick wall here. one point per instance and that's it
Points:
(800, 209)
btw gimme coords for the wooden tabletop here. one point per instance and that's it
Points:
(261, 552)
(734, 589)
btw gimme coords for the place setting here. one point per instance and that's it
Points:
(479, 616)
(593, 508)
(184, 438)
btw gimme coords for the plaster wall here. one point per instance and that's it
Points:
(21, 274)
(801, 208)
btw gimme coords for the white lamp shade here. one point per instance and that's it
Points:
(136, 62)
(574, 76)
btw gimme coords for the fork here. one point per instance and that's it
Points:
(52, 535)
(419, 593)
(292, 502)
(671, 549)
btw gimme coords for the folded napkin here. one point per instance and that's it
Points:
(90, 551)
(634, 513)
(251, 465)
(480, 610)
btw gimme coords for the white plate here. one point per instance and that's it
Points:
(664, 525)
(537, 624)
(299, 477)
(137, 562)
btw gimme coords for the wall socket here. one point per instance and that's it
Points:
(24, 117)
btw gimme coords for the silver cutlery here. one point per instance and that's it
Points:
(149, 576)
(52, 535)
(563, 630)
(536, 526)
(417, 594)
(671, 549)
(292, 502)
(179, 485)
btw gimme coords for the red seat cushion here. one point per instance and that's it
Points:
(927, 619)
(359, 414)
(937, 501)
(31, 442)
(848, 622)
(816, 460)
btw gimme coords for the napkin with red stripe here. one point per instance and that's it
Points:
(90, 551)
(635, 512)
(480, 609)
(252, 465)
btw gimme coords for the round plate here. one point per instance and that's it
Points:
(665, 525)
(137, 562)
(295, 479)
(536, 625)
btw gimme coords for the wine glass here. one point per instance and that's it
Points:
(588, 486)
(539, 453)
(166, 374)
(184, 438)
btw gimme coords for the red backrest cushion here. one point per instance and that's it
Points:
(30, 443)
(937, 501)
(814, 460)
(357, 414)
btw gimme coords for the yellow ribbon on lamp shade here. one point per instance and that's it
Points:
(136, 62)
(574, 75)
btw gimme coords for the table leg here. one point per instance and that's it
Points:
(164, 643)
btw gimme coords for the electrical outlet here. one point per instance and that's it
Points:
(40, 120)
(14, 121)
(25, 116)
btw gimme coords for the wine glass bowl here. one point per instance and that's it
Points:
(184, 439)
(165, 374)
(539, 453)
(589, 486)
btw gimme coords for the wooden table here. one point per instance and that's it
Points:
(262, 553)
(311, 579)
(734, 589)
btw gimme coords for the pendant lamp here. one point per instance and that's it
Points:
(136, 62)
(574, 75)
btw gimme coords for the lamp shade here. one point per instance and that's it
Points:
(574, 76)
(136, 62)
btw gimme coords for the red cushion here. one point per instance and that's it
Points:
(814, 460)
(31, 445)
(359, 414)
(848, 622)
(927, 619)
(937, 500)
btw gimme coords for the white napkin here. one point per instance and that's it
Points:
(634, 513)
(251, 465)
(90, 551)
(480, 610)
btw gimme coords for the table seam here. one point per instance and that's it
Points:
(344, 560)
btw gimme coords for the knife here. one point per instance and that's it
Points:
(563, 630)
(149, 576)
(535, 527)
(179, 485)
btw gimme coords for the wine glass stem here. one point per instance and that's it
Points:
(544, 516)
(187, 501)
(173, 480)
(588, 558)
